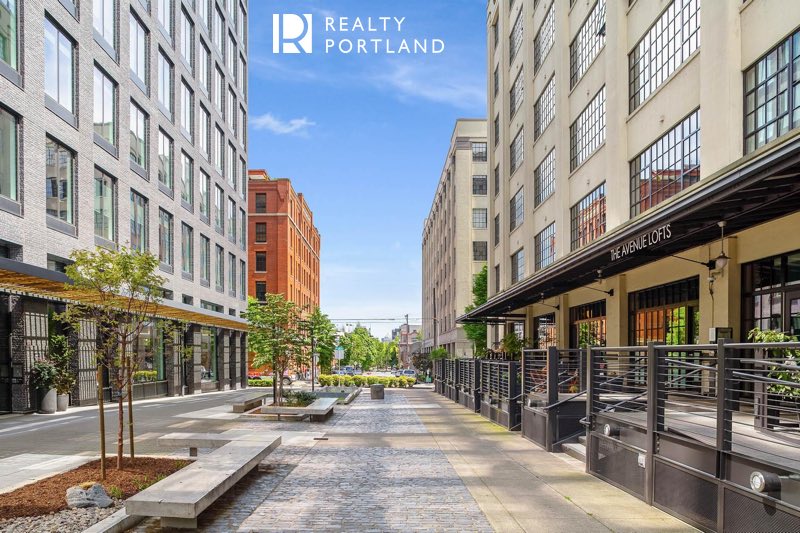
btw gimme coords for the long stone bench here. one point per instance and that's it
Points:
(321, 409)
(250, 403)
(318, 411)
(180, 498)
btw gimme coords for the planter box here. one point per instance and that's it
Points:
(344, 394)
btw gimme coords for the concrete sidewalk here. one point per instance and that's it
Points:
(521, 487)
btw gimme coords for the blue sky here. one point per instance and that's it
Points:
(364, 138)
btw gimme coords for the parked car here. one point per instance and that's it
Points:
(409, 373)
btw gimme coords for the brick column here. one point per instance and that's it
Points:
(225, 357)
(192, 363)
(172, 362)
(233, 358)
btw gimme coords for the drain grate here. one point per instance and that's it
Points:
(320, 438)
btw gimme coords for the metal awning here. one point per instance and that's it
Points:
(28, 280)
(759, 187)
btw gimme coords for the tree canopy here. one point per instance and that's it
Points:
(476, 332)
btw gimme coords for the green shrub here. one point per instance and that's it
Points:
(141, 376)
(327, 380)
(115, 492)
(259, 382)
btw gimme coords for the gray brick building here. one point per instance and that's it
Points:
(123, 123)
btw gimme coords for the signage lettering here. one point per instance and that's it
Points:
(641, 242)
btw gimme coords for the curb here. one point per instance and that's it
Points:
(116, 523)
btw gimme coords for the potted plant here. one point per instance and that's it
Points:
(61, 358)
(43, 377)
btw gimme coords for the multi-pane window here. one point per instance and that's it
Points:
(517, 265)
(165, 237)
(104, 205)
(479, 218)
(59, 66)
(516, 210)
(165, 159)
(139, 224)
(261, 290)
(187, 179)
(8, 155)
(479, 250)
(587, 43)
(219, 149)
(187, 39)
(517, 93)
(261, 232)
(772, 94)
(205, 258)
(8, 34)
(187, 249)
(479, 151)
(232, 219)
(203, 69)
(544, 178)
(517, 151)
(261, 261)
(479, 185)
(220, 268)
(164, 82)
(232, 274)
(105, 109)
(496, 230)
(545, 246)
(205, 185)
(515, 39)
(60, 170)
(588, 218)
(138, 149)
(666, 167)
(545, 38)
(545, 108)
(219, 208)
(103, 18)
(203, 131)
(588, 131)
(138, 49)
(261, 202)
(666, 46)
(187, 109)
(164, 10)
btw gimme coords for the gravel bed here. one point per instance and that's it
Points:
(67, 521)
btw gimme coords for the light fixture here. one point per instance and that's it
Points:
(610, 431)
(718, 263)
(765, 482)
(599, 279)
(541, 301)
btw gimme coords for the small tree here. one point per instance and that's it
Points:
(323, 333)
(422, 362)
(118, 291)
(513, 345)
(60, 355)
(439, 353)
(476, 332)
(275, 336)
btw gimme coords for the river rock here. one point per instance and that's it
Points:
(94, 496)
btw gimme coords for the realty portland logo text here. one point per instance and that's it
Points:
(294, 34)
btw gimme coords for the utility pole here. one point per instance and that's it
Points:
(408, 332)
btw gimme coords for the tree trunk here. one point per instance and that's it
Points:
(130, 409)
(102, 416)
(120, 428)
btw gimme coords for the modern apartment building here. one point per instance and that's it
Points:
(455, 238)
(122, 124)
(283, 243)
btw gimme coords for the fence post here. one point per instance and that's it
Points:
(724, 425)
(552, 375)
(591, 391)
(652, 415)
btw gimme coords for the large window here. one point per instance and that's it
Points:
(105, 107)
(219, 89)
(587, 43)
(187, 39)
(205, 187)
(138, 49)
(60, 173)
(59, 66)
(165, 159)
(139, 223)
(667, 314)
(218, 31)
(219, 278)
(230, 165)
(187, 179)
(588, 131)
(588, 218)
(261, 232)
(545, 332)
(8, 33)
(231, 274)
(479, 185)
(165, 73)
(242, 279)
(105, 215)
(518, 265)
(164, 10)
(496, 229)
(230, 56)
(771, 296)
(8, 155)
(261, 261)
(187, 250)
(230, 110)
(772, 94)
(203, 131)
(666, 167)
(201, 7)
(242, 229)
(205, 258)
(515, 39)
(187, 110)
(104, 20)
(219, 150)
(165, 237)
(261, 202)
(517, 150)
(219, 209)
(517, 94)
(203, 66)
(139, 126)
(479, 151)
(545, 108)
(480, 250)
(545, 246)
(588, 325)
(261, 290)
(544, 178)
(516, 210)
(545, 38)
(231, 219)
(666, 45)
(479, 218)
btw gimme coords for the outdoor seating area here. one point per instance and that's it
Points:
(317, 411)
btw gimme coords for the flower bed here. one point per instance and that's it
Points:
(365, 381)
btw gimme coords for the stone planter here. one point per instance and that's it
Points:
(62, 402)
(47, 401)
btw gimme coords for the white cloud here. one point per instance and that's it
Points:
(295, 126)
(434, 83)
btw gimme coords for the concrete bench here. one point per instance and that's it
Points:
(180, 498)
(250, 403)
(321, 409)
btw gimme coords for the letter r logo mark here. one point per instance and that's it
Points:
(291, 33)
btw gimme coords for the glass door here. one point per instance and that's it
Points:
(793, 314)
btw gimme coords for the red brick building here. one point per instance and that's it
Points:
(282, 241)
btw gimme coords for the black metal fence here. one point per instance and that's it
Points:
(709, 433)
(468, 384)
(500, 393)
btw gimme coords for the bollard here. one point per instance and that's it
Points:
(376, 391)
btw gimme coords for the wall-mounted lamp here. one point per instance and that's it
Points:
(541, 301)
(599, 279)
(769, 482)
(718, 263)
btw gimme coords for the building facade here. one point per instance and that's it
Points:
(283, 243)
(455, 238)
(407, 335)
(123, 125)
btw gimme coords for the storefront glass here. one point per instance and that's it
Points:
(668, 314)
(545, 334)
(149, 350)
(208, 354)
(588, 325)
(771, 294)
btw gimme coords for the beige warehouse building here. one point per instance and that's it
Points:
(455, 238)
